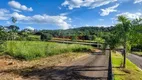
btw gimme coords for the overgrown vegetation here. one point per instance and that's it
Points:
(35, 49)
(137, 53)
(46, 37)
(131, 72)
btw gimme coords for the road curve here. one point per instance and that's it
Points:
(135, 59)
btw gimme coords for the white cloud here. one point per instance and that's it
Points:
(64, 14)
(8, 22)
(59, 8)
(17, 5)
(113, 20)
(55, 20)
(71, 4)
(108, 10)
(137, 1)
(58, 20)
(101, 19)
(16, 10)
(131, 15)
(104, 25)
(3, 14)
(30, 28)
(19, 16)
(87, 25)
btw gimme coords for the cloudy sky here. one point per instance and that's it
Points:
(65, 14)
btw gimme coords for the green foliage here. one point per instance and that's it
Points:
(74, 38)
(91, 37)
(82, 31)
(13, 28)
(46, 37)
(112, 40)
(3, 34)
(99, 40)
(137, 53)
(35, 49)
(14, 20)
(1, 46)
(33, 38)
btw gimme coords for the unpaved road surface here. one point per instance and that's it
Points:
(93, 67)
(90, 67)
(136, 60)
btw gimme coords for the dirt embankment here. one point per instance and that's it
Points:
(12, 69)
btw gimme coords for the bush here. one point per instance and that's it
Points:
(74, 38)
(1, 45)
(46, 37)
(28, 50)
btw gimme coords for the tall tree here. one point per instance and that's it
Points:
(13, 29)
(14, 20)
(136, 34)
(124, 27)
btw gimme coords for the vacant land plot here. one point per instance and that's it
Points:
(29, 50)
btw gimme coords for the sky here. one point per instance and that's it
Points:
(66, 14)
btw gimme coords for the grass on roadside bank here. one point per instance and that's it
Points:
(137, 53)
(131, 72)
(29, 50)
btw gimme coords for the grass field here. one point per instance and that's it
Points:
(29, 50)
(131, 72)
(137, 53)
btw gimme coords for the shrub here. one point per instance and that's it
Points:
(74, 38)
(46, 37)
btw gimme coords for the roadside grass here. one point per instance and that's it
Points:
(131, 72)
(29, 50)
(137, 53)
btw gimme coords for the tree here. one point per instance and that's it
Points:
(13, 31)
(3, 37)
(14, 20)
(123, 30)
(74, 38)
(3, 34)
(136, 34)
(46, 37)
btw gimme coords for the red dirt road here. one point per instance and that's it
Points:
(92, 67)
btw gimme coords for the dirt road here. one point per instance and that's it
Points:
(90, 67)
(93, 67)
(136, 60)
